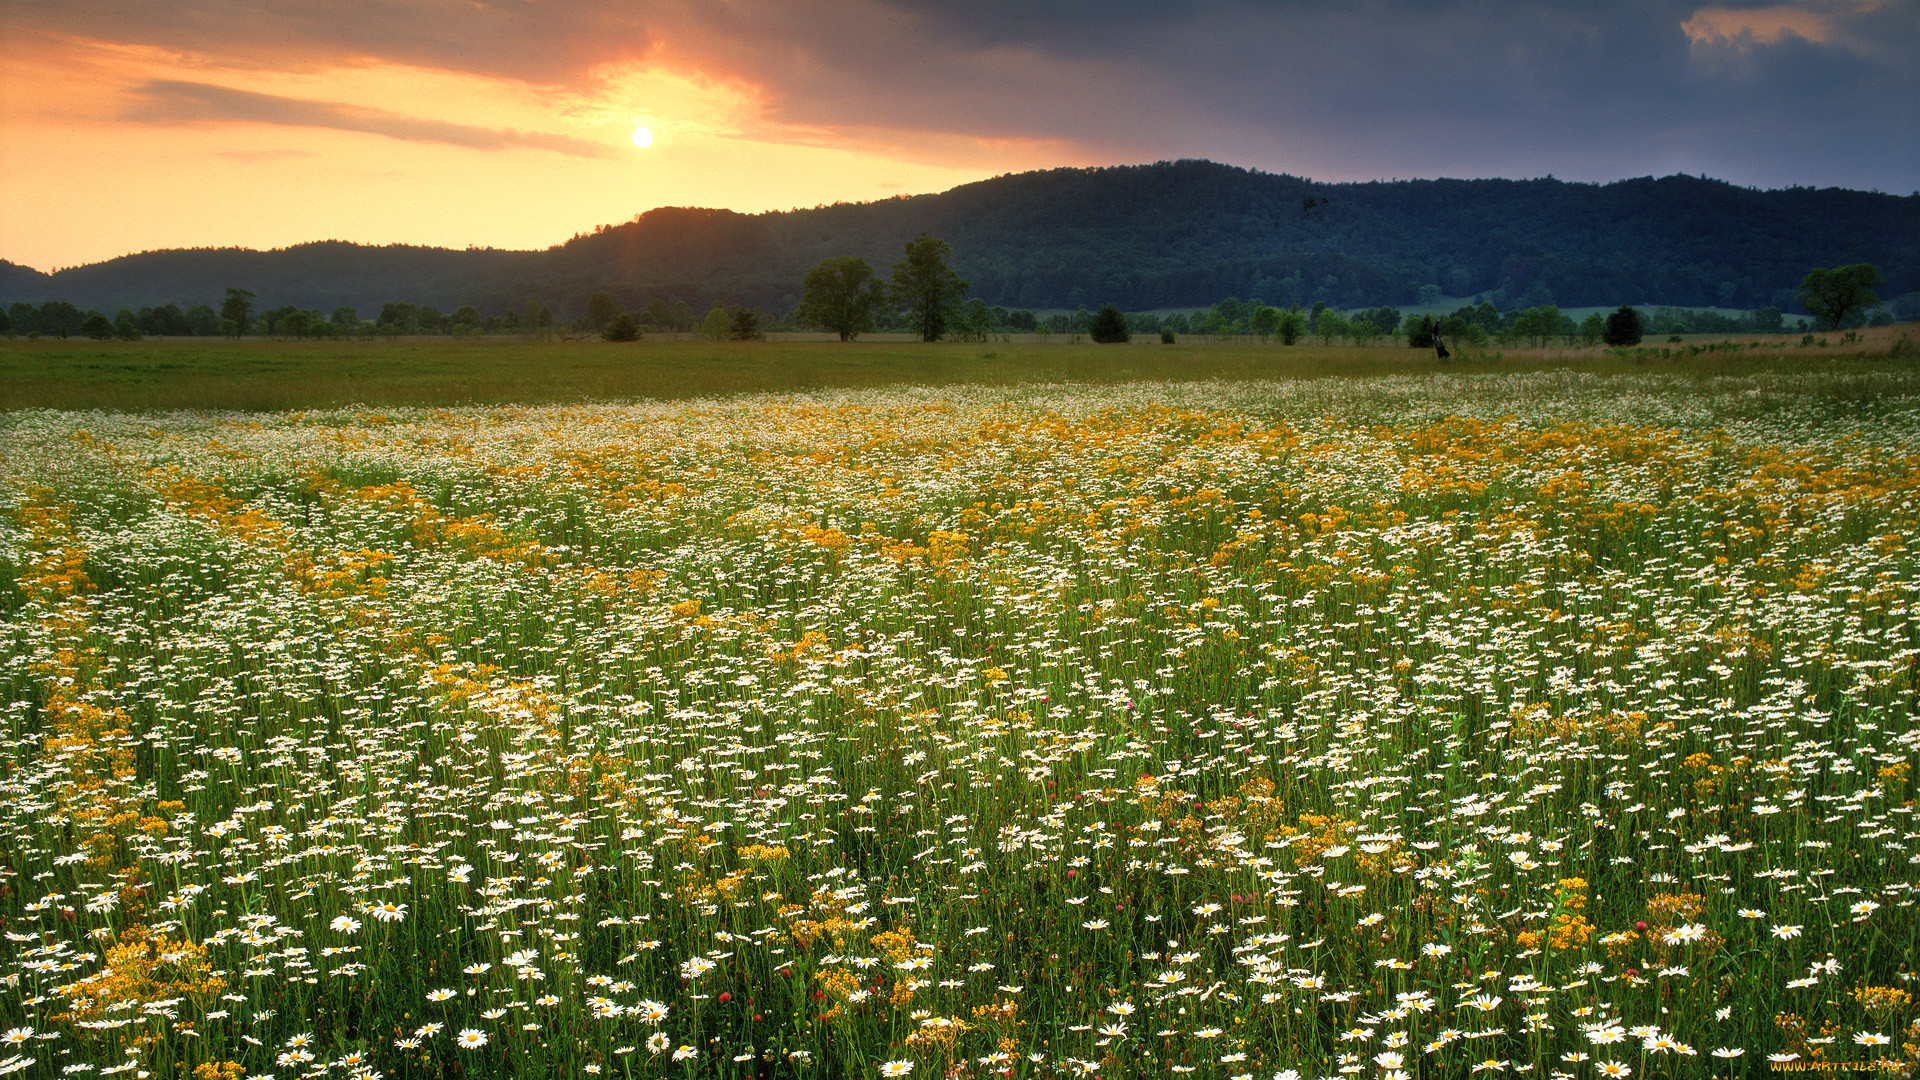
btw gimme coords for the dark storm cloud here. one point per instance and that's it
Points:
(1490, 88)
(170, 101)
(1577, 88)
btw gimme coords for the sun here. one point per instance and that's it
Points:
(642, 137)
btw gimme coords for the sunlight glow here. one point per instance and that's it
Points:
(642, 137)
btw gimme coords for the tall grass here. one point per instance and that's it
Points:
(1413, 724)
(254, 375)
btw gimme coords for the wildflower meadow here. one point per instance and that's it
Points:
(1541, 724)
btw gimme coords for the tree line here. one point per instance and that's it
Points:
(924, 295)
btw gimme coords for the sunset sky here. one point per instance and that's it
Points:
(127, 125)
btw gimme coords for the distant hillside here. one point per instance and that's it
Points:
(1151, 236)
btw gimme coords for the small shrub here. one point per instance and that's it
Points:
(622, 327)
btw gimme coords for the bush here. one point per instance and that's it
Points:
(1167, 336)
(622, 327)
(1109, 326)
(1293, 326)
(746, 326)
(1623, 327)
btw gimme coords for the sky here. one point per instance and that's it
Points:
(129, 125)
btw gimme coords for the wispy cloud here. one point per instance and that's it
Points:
(175, 101)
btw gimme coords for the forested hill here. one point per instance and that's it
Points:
(1142, 237)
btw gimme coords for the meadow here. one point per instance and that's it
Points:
(1385, 723)
(267, 375)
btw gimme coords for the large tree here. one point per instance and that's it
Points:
(60, 317)
(239, 308)
(1833, 295)
(927, 287)
(842, 295)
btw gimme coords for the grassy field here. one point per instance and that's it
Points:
(271, 375)
(1554, 722)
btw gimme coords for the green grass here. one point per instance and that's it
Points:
(272, 375)
(1150, 730)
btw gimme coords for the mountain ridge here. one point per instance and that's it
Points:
(1182, 233)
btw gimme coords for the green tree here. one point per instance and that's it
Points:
(60, 318)
(1232, 312)
(927, 288)
(1623, 327)
(972, 321)
(842, 295)
(621, 327)
(202, 320)
(718, 325)
(124, 326)
(468, 316)
(1264, 321)
(535, 318)
(1292, 326)
(1420, 331)
(599, 312)
(239, 308)
(1537, 324)
(1767, 320)
(273, 317)
(746, 325)
(398, 318)
(1834, 295)
(96, 326)
(1109, 326)
(24, 317)
(1593, 329)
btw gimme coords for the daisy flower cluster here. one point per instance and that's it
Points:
(1540, 724)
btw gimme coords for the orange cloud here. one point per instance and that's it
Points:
(1769, 24)
(171, 100)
